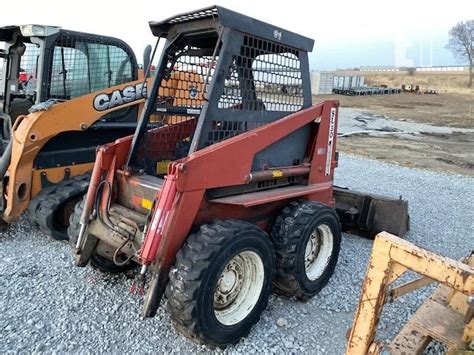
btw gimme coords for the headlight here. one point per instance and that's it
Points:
(38, 30)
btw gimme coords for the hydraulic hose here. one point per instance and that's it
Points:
(6, 156)
(105, 220)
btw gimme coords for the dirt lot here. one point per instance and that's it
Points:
(451, 151)
(450, 110)
(444, 82)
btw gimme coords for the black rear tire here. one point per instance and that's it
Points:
(198, 284)
(50, 210)
(304, 225)
(97, 262)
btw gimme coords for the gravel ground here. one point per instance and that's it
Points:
(47, 305)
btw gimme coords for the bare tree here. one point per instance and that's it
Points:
(461, 43)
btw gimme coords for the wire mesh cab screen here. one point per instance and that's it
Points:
(84, 65)
(263, 82)
(194, 15)
(255, 75)
(28, 75)
(187, 73)
(185, 83)
(263, 76)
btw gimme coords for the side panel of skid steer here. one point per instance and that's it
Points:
(368, 214)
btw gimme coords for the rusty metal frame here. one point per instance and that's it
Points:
(391, 258)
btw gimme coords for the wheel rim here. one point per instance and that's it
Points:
(318, 251)
(238, 288)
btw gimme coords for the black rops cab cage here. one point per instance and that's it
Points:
(222, 73)
(61, 64)
(41, 63)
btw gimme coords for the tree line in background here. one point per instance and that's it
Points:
(461, 43)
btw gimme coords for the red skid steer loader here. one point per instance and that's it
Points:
(248, 199)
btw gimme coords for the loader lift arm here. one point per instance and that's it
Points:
(446, 316)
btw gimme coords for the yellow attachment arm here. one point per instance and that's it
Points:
(391, 257)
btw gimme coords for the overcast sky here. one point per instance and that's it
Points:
(347, 33)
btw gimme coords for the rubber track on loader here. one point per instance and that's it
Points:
(44, 206)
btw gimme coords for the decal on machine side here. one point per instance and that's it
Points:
(332, 121)
(103, 102)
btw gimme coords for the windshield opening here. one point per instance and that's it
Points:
(28, 73)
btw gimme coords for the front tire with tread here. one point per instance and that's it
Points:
(291, 234)
(196, 276)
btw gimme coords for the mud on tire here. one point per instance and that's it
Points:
(51, 208)
(307, 239)
(220, 282)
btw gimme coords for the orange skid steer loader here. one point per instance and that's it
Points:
(248, 197)
(63, 93)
